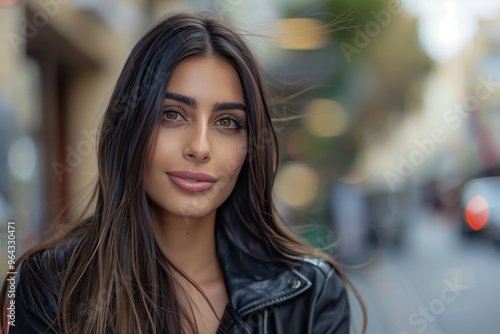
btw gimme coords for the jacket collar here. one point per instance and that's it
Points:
(251, 283)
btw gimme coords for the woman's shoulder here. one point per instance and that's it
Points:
(37, 286)
(322, 299)
(323, 276)
(319, 267)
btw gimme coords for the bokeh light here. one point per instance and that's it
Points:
(300, 34)
(445, 33)
(477, 212)
(446, 27)
(325, 118)
(297, 185)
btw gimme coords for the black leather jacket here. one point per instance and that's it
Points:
(264, 298)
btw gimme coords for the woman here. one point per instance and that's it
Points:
(183, 238)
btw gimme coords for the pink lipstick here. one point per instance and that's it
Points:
(192, 181)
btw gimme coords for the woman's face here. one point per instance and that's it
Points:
(202, 141)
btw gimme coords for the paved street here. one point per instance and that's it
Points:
(438, 283)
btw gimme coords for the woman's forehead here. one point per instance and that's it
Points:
(206, 78)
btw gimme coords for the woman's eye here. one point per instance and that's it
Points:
(172, 116)
(229, 123)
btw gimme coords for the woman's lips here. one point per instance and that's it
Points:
(192, 181)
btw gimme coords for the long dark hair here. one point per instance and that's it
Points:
(117, 278)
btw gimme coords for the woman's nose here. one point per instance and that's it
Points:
(198, 145)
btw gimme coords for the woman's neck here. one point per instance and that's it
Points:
(189, 243)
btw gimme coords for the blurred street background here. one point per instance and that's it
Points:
(387, 113)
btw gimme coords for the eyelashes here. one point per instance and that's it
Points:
(173, 114)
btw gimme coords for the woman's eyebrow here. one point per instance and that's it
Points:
(181, 98)
(228, 106)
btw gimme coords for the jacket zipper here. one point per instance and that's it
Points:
(265, 321)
